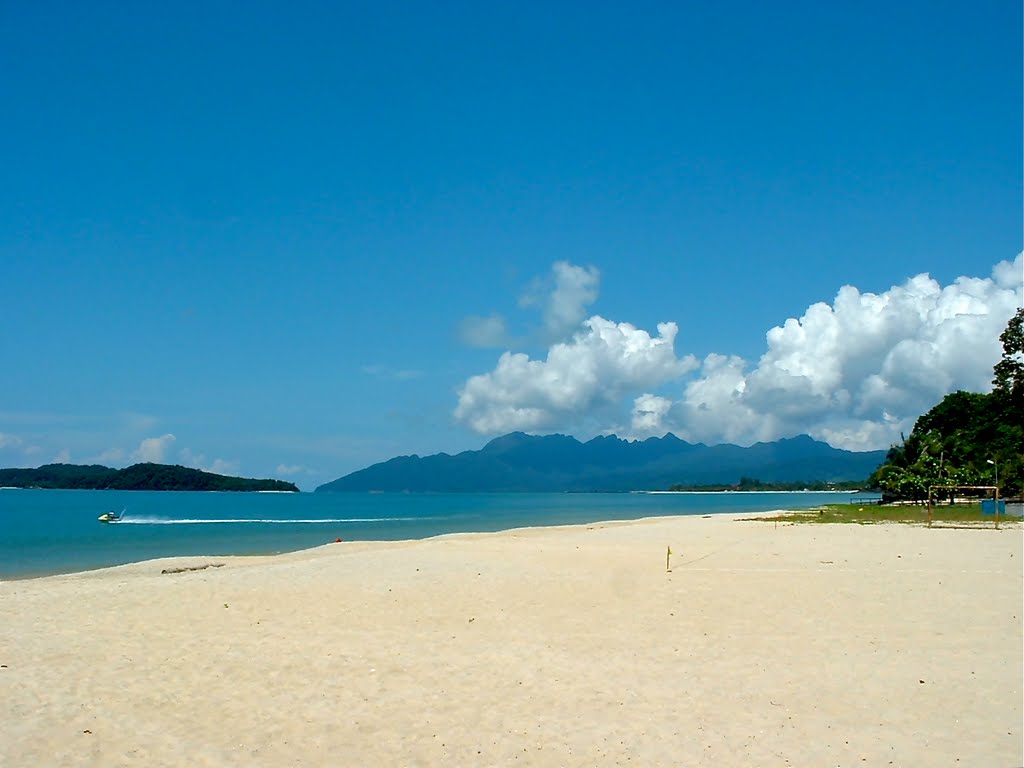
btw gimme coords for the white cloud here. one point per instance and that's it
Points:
(110, 456)
(855, 372)
(484, 332)
(563, 296)
(198, 461)
(288, 470)
(575, 289)
(713, 410)
(595, 369)
(8, 440)
(223, 467)
(153, 449)
(864, 368)
(1007, 274)
(190, 459)
(649, 412)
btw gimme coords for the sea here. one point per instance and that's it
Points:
(47, 532)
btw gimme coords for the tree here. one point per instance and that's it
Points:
(1008, 374)
(962, 439)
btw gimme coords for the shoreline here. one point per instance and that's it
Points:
(52, 532)
(265, 554)
(175, 560)
(564, 645)
(172, 559)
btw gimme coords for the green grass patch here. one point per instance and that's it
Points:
(867, 514)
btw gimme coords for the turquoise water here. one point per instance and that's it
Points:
(48, 532)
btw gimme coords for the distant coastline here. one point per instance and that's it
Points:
(757, 492)
(138, 477)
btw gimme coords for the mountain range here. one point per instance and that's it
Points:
(521, 462)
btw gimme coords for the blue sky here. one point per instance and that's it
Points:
(297, 240)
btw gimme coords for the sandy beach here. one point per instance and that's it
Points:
(788, 645)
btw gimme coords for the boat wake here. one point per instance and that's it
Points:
(143, 520)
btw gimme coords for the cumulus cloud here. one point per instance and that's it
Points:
(563, 298)
(861, 370)
(288, 470)
(154, 449)
(855, 372)
(649, 413)
(595, 369)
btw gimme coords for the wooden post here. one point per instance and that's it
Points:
(668, 555)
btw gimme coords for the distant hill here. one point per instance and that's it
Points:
(520, 462)
(138, 477)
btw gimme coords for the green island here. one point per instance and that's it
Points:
(138, 477)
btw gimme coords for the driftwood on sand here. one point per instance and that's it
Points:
(193, 568)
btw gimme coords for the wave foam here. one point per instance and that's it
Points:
(271, 521)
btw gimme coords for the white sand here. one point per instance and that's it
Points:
(765, 646)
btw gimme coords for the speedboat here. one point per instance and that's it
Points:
(111, 516)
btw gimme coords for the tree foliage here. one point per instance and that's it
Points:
(968, 437)
(1008, 375)
(753, 484)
